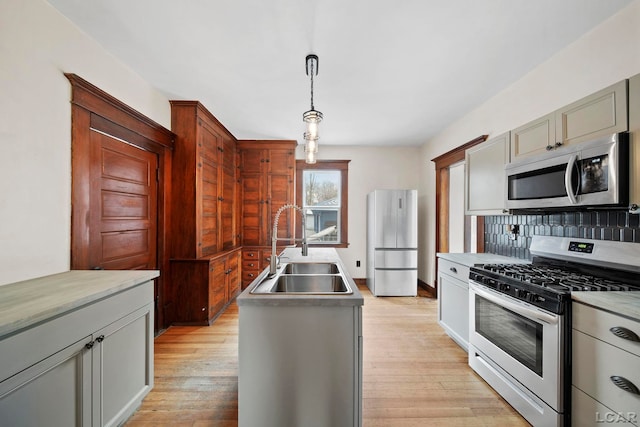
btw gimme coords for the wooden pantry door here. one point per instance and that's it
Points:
(123, 206)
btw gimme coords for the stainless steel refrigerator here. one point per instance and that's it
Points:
(392, 242)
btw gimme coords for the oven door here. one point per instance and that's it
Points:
(522, 347)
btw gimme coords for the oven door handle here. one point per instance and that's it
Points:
(516, 308)
(567, 179)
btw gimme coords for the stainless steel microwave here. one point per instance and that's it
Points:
(585, 175)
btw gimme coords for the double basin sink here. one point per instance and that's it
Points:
(314, 278)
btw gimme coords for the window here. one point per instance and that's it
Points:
(321, 191)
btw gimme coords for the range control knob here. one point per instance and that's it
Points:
(503, 287)
(521, 293)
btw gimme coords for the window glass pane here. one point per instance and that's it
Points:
(322, 205)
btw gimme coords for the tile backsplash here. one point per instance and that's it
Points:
(602, 225)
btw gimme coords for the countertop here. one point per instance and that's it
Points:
(471, 259)
(623, 303)
(26, 303)
(295, 255)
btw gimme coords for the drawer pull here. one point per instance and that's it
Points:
(625, 384)
(453, 269)
(625, 333)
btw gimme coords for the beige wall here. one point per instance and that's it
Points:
(606, 55)
(371, 168)
(38, 45)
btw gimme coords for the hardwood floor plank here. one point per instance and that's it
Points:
(413, 373)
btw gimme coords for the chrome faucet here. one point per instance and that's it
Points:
(274, 260)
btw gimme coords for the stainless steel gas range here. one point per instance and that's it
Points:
(520, 319)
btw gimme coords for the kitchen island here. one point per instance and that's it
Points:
(300, 354)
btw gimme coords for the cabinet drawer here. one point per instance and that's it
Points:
(595, 363)
(453, 269)
(607, 327)
(249, 276)
(251, 254)
(588, 412)
(252, 265)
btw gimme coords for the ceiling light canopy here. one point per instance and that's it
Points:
(312, 118)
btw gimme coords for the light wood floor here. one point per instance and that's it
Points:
(413, 374)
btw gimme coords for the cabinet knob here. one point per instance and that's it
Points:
(250, 274)
(100, 338)
(220, 198)
(549, 147)
(624, 333)
(559, 143)
(89, 345)
(453, 269)
(624, 384)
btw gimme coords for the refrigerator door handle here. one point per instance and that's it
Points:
(400, 203)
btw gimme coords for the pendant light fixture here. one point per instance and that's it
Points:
(312, 118)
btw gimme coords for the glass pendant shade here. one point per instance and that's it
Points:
(312, 118)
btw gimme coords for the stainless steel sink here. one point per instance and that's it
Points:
(311, 284)
(311, 268)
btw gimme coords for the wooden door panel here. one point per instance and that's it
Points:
(208, 229)
(123, 214)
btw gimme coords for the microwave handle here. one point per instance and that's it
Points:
(567, 179)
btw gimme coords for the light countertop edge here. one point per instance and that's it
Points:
(26, 303)
(623, 303)
(471, 259)
(246, 298)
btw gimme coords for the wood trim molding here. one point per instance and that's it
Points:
(442, 164)
(343, 166)
(92, 108)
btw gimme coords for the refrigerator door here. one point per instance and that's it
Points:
(394, 258)
(407, 219)
(396, 283)
(395, 217)
(385, 218)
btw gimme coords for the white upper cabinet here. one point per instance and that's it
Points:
(599, 114)
(485, 177)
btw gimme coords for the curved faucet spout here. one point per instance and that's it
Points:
(273, 261)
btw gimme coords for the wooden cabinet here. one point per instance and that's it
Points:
(485, 177)
(90, 366)
(599, 114)
(203, 287)
(267, 174)
(606, 368)
(203, 197)
(205, 206)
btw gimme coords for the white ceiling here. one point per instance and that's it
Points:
(391, 72)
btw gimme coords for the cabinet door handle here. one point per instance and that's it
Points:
(453, 269)
(624, 333)
(625, 384)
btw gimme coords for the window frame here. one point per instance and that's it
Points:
(343, 167)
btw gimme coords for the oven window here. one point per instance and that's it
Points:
(516, 335)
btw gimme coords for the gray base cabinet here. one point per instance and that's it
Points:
(91, 366)
(300, 366)
(453, 301)
(605, 368)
